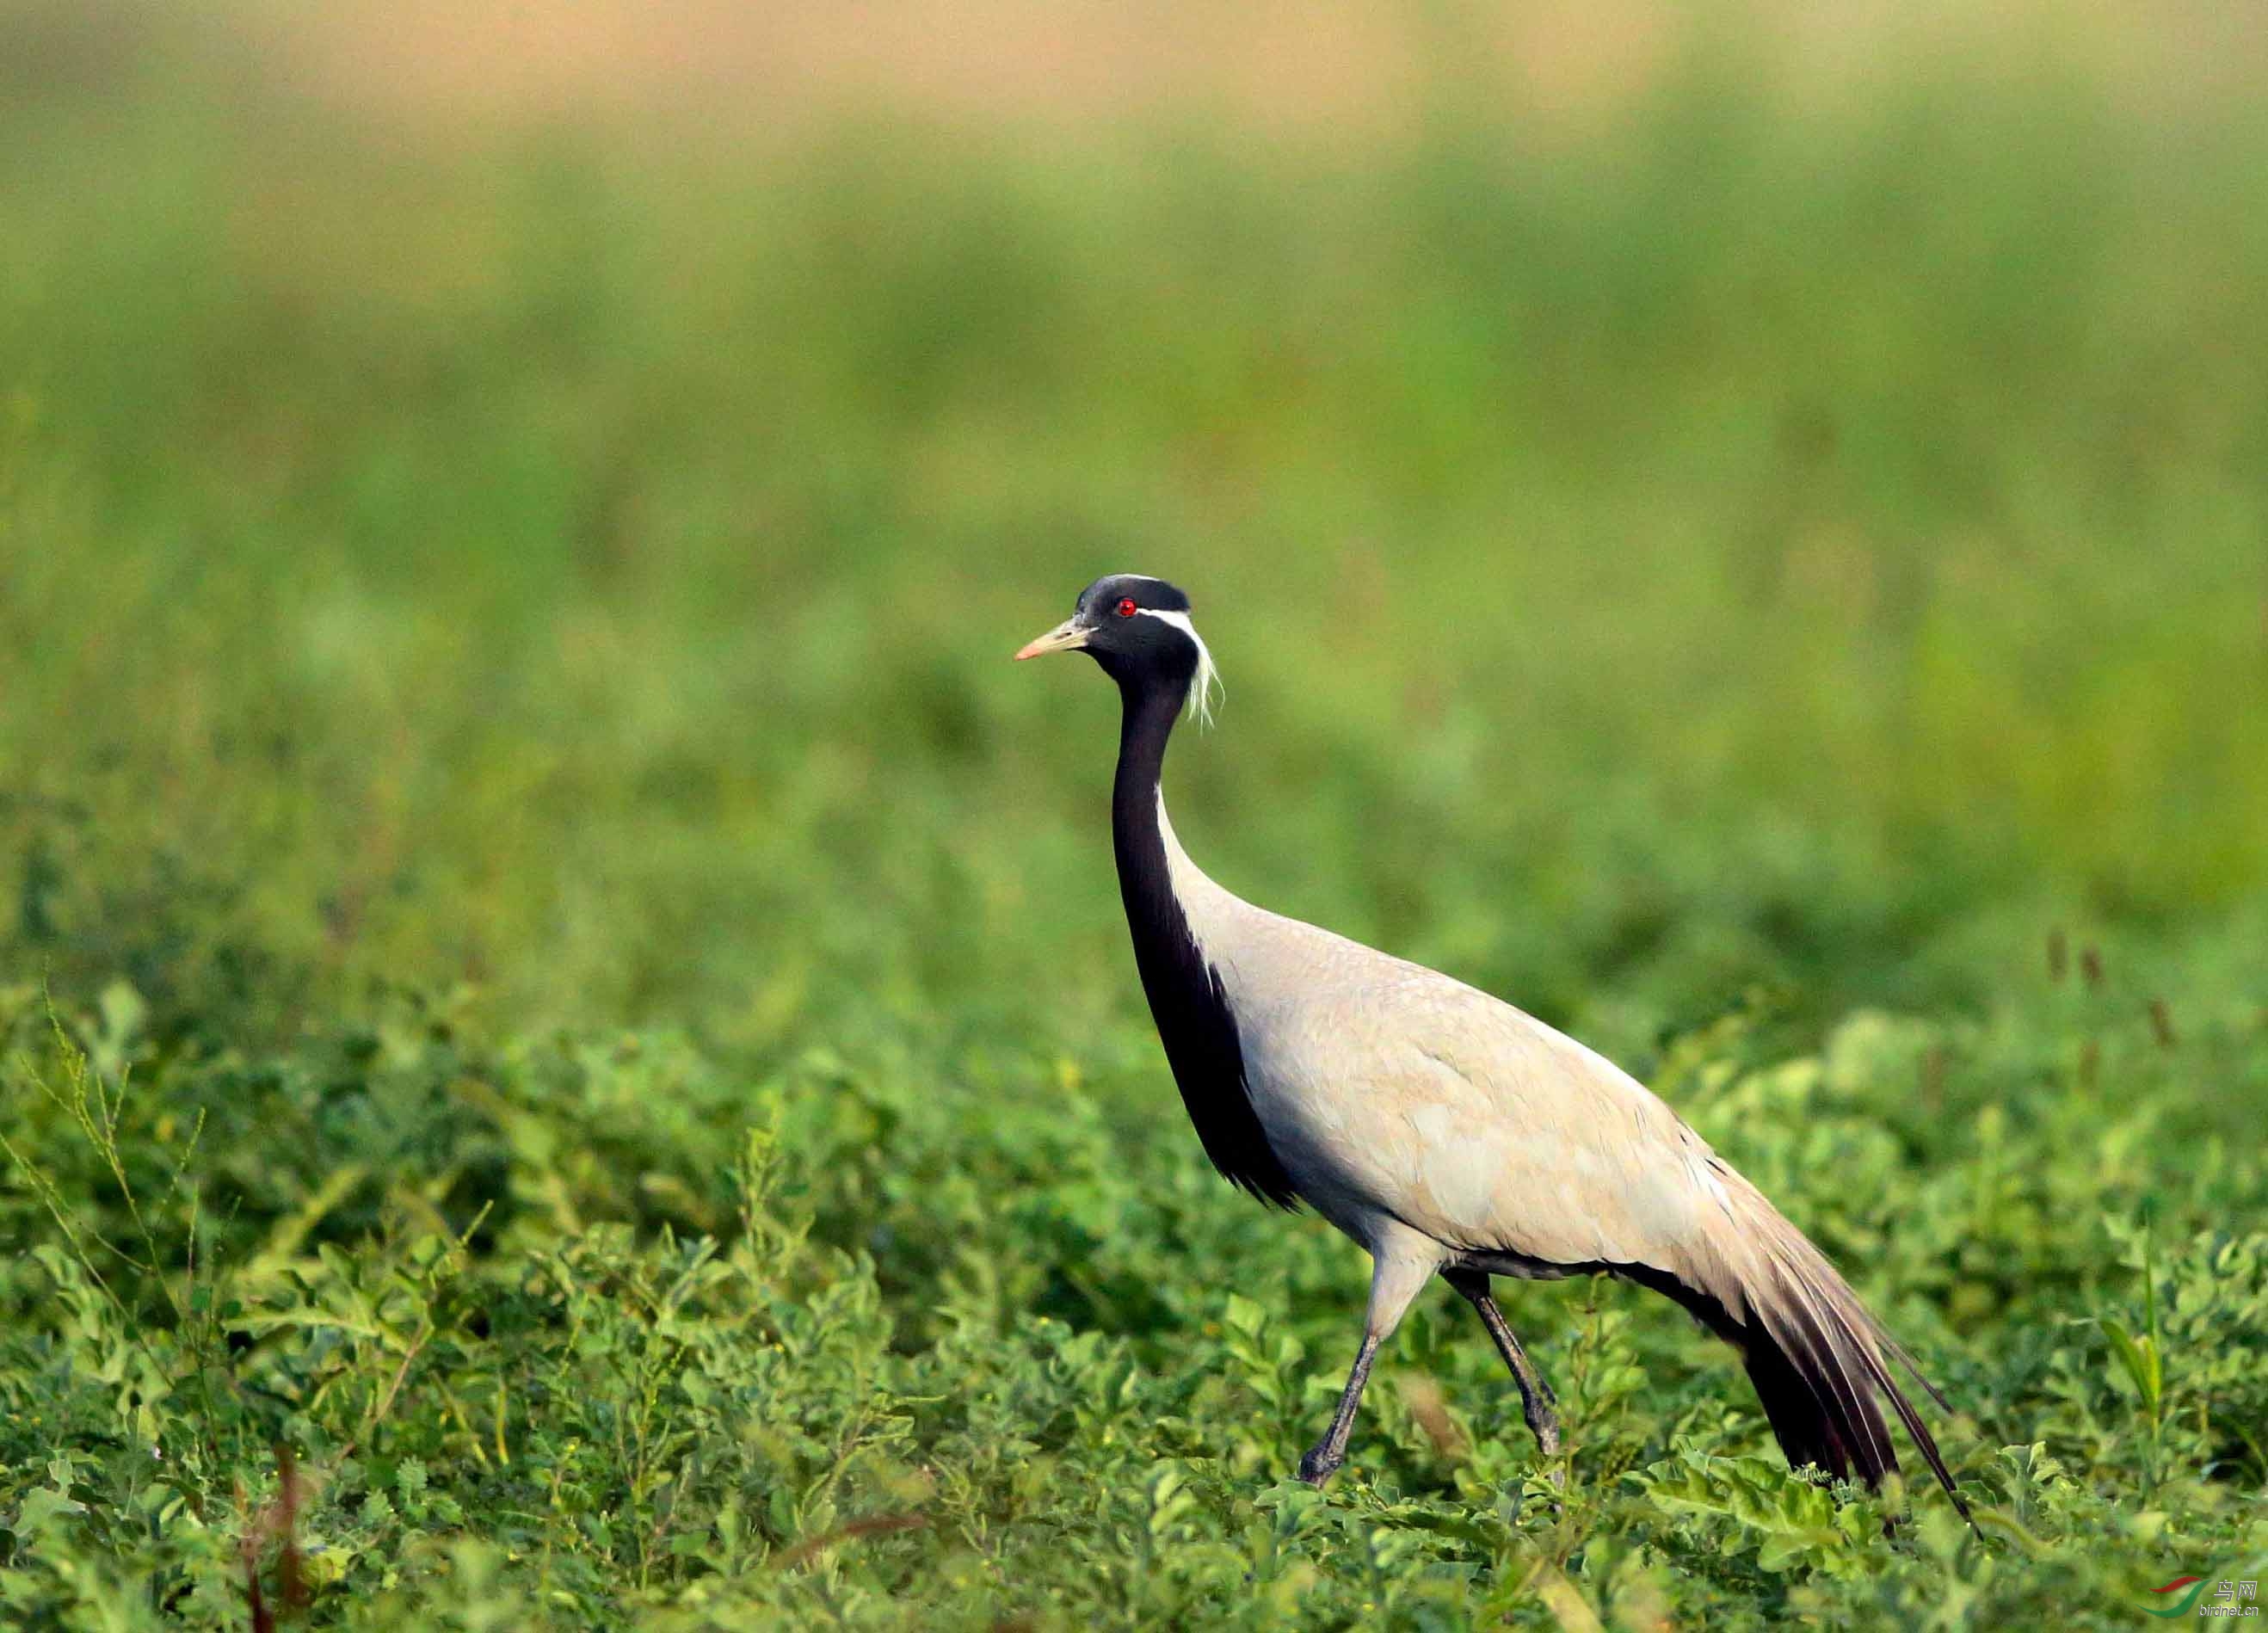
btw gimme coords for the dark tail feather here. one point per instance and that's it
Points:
(1871, 1354)
(1804, 1430)
(1819, 1369)
(1819, 1363)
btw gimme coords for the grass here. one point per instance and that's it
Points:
(571, 1055)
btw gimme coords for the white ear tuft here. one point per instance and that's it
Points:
(1206, 685)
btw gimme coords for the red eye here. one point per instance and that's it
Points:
(1126, 608)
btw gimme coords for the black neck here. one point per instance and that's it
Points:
(1143, 729)
(1186, 999)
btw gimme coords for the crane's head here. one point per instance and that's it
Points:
(1139, 630)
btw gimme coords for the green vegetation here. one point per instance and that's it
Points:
(550, 966)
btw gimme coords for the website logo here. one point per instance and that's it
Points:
(2227, 1598)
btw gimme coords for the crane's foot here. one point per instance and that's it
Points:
(1321, 1463)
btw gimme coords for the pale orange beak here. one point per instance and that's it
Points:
(1066, 636)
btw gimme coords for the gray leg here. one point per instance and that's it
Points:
(1323, 1460)
(1402, 1262)
(1537, 1400)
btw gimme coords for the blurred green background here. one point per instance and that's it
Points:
(1739, 529)
(1752, 520)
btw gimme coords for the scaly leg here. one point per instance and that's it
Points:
(1537, 1400)
(1325, 1456)
(1398, 1270)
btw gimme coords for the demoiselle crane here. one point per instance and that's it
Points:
(1444, 1130)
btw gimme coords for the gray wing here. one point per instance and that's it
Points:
(1464, 1118)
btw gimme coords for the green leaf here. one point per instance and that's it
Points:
(2139, 1357)
(1246, 1315)
(43, 1509)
